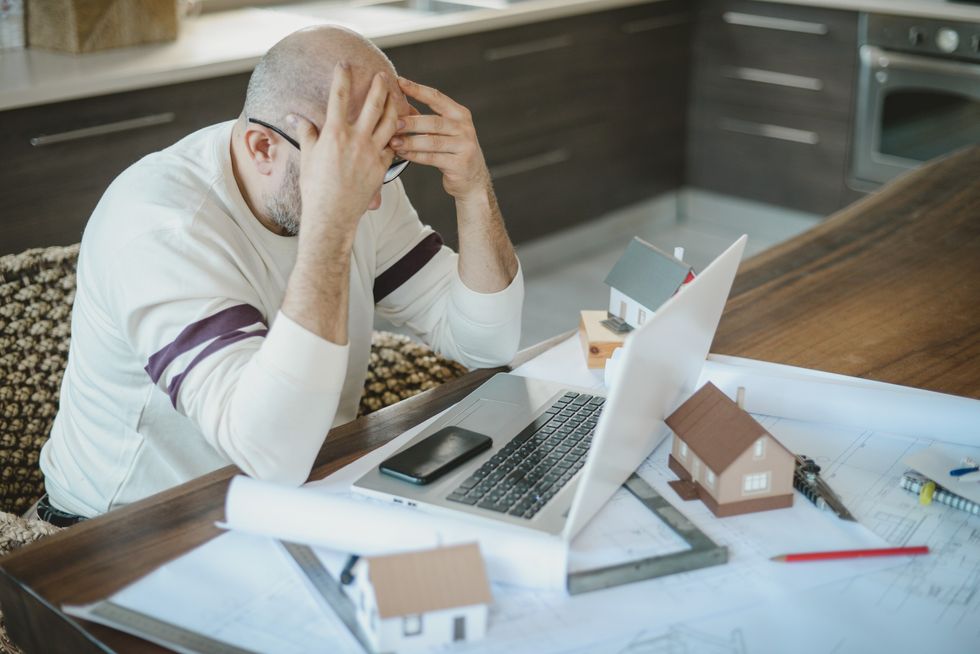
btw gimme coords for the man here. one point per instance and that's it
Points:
(227, 285)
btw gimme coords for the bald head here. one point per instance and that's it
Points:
(294, 75)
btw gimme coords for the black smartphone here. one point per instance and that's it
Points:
(435, 455)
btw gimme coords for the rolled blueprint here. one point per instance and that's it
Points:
(348, 523)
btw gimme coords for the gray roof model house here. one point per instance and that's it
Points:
(643, 279)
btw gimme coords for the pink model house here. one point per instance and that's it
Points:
(726, 459)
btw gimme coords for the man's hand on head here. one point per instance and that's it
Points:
(343, 164)
(445, 140)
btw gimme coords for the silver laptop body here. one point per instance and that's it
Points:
(660, 366)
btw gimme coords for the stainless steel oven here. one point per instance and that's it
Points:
(918, 94)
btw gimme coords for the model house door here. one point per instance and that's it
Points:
(459, 628)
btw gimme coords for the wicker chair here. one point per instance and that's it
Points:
(37, 288)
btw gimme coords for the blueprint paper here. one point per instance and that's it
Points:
(240, 589)
(926, 604)
(749, 606)
(788, 392)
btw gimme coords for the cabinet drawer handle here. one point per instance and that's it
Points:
(106, 128)
(772, 23)
(770, 131)
(528, 47)
(526, 165)
(654, 23)
(772, 77)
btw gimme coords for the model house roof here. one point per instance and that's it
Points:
(647, 274)
(714, 428)
(431, 580)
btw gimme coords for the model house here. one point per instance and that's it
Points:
(726, 459)
(644, 278)
(415, 600)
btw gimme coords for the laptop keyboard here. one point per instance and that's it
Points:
(527, 472)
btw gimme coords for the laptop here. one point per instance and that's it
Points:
(560, 453)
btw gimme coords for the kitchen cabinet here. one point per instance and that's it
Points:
(60, 157)
(576, 116)
(771, 102)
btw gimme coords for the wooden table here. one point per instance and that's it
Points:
(887, 289)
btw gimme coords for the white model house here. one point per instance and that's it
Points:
(415, 600)
(643, 279)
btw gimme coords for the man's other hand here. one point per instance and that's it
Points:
(446, 140)
(343, 164)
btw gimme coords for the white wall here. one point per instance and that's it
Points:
(632, 308)
(437, 628)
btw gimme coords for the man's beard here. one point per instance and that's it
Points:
(285, 206)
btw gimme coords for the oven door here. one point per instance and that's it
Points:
(910, 109)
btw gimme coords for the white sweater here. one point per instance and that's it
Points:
(180, 361)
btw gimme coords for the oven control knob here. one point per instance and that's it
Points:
(916, 37)
(947, 39)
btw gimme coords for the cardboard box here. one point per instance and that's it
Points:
(598, 341)
(79, 26)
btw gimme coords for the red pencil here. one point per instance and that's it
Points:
(852, 554)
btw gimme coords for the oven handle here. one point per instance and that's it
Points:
(878, 59)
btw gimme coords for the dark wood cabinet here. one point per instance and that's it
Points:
(771, 102)
(576, 116)
(61, 157)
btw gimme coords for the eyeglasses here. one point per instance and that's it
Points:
(394, 170)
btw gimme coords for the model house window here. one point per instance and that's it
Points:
(760, 448)
(412, 625)
(622, 309)
(641, 316)
(459, 627)
(755, 483)
(683, 450)
(695, 468)
(709, 478)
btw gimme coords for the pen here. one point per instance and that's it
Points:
(852, 554)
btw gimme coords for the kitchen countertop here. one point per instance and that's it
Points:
(229, 42)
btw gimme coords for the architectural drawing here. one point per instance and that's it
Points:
(682, 639)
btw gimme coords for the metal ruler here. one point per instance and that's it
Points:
(328, 588)
(157, 631)
(703, 551)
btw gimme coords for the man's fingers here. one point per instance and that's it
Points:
(374, 104)
(387, 125)
(426, 143)
(429, 125)
(306, 132)
(437, 100)
(339, 100)
(440, 160)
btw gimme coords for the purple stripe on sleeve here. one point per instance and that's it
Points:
(222, 341)
(223, 322)
(403, 269)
